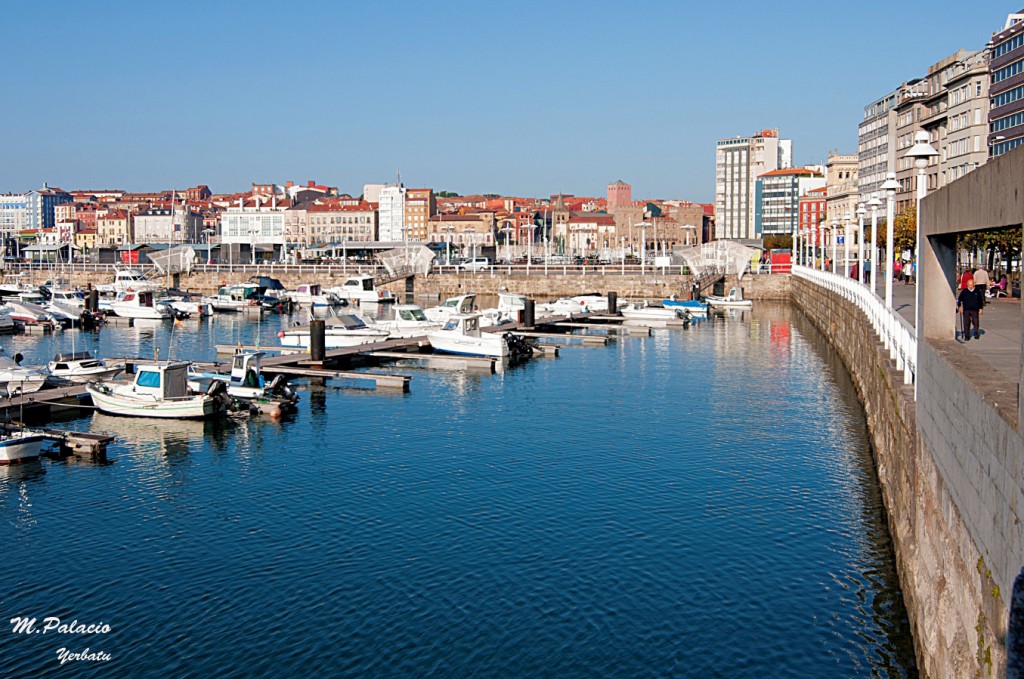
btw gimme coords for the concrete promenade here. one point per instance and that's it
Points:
(999, 345)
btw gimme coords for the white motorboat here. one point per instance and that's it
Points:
(160, 390)
(461, 336)
(245, 381)
(20, 446)
(14, 285)
(234, 298)
(461, 304)
(129, 279)
(579, 304)
(185, 304)
(361, 288)
(16, 379)
(636, 312)
(81, 367)
(734, 300)
(344, 330)
(311, 295)
(27, 313)
(140, 304)
(409, 321)
(68, 298)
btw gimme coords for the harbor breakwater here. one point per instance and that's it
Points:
(956, 590)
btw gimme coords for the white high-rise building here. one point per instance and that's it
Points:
(738, 164)
(391, 213)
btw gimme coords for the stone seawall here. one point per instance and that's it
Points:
(537, 286)
(957, 611)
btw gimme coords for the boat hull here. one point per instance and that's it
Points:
(486, 346)
(20, 448)
(191, 408)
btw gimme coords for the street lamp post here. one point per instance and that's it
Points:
(835, 230)
(208, 233)
(922, 153)
(846, 244)
(890, 186)
(860, 242)
(874, 203)
(643, 247)
(820, 236)
(507, 229)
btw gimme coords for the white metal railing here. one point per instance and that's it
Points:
(895, 331)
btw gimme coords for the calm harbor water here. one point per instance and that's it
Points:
(697, 503)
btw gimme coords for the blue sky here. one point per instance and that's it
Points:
(520, 98)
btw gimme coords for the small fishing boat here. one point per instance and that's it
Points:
(234, 298)
(361, 288)
(344, 330)
(734, 300)
(643, 312)
(80, 367)
(129, 279)
(185, 304)
(140, 304)
(7, 324)
(16, 379)
(691, 306)
(592, 302)
(409, 321)
(311, 295)
(461, 336)
(20, 446)
(246, 382)
(160, 390)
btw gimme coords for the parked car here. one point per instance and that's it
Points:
(475, 264)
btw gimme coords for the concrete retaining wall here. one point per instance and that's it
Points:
(953, 592)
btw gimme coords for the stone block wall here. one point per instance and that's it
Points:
(956, 607)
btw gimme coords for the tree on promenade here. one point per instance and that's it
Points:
(1007, 242)
(904, 230)
(778, 242)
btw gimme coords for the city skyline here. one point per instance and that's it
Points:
(527, 100)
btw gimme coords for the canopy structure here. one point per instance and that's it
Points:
(407, 260)
(178, 259)
(719, 257)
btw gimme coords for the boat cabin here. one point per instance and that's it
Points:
(127, 277)
(245, 369)
(411, 312)
(162, 380)
(311, 289)
(84, 359)
(346, 321)
(138, 298)
(464, 324)
(360, 283)
(238, 293)
(463, 304)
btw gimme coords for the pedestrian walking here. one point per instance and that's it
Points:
(981, 282)
(969, 302)
(897, 270)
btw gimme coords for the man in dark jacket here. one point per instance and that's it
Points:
(970, 301)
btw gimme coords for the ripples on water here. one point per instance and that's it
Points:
(697, 503)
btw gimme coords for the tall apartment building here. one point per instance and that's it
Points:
(910, 112)
(620, 194)
(962, 146)
(778, 195)
(13, 214)
(391, 213)
(738, 164)
(420, 206)
(1006, 88)
(876, 135)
